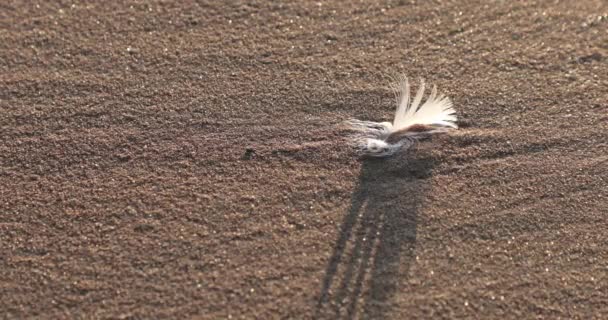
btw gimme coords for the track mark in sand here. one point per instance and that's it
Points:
(521, 219)
(474, 148)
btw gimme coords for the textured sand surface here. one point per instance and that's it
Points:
(165, 159)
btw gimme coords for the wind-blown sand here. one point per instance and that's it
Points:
(178, 160)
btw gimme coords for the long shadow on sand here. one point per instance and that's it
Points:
(375, 247)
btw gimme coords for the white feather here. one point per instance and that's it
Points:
(403, 99)
(371, 138)
(379, 148)
(435, 111)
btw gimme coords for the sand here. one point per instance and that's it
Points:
(180, 160)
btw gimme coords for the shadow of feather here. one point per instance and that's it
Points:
(377, 238)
